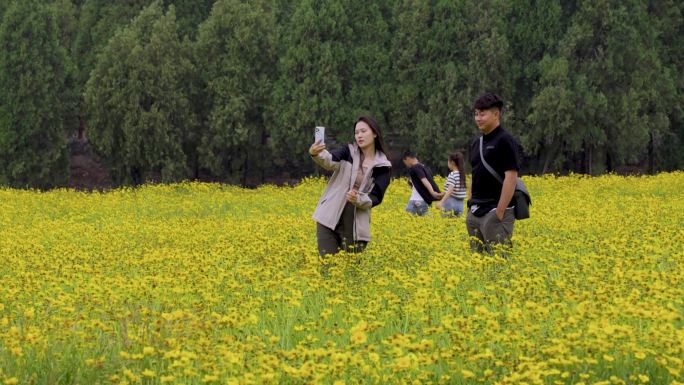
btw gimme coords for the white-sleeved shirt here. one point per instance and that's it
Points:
(454, 179)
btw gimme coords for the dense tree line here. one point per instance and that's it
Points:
(231, 89)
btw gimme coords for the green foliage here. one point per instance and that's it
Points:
(410, 21)
(37, 105)
(99, 20)
(667, 17)
(607, 93)
(4, 4)
(235, 52)
(66, 14)
(309, 90)
(452, 52)
(190, 14)
(447, 55)
(589, 86)
(137, 99)
(552, 115)
(533, 33)
(366, 81)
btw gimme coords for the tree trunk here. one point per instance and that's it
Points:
(590, 161)
(609, 162)
(81, 129)
(136, 176)
(196, 166)
(651, 155)
(244, 169)
(549, 156)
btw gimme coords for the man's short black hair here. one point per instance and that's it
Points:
(487, 101)
(408, 154)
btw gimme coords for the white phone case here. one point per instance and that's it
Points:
(319, 134)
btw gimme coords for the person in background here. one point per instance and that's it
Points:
(454, 187)
(424, 190)
(361, 174)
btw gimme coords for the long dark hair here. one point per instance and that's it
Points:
(457, 158)
(373, 124)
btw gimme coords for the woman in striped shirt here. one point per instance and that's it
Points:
(455, 186)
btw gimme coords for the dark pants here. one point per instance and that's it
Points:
(342, 238)
(488, 231)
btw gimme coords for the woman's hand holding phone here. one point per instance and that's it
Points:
(316, 148)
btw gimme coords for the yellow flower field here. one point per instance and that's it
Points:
(208, 284)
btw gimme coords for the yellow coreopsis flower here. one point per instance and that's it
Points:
(467, 373)
(358, 333)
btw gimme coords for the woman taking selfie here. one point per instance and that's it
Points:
(361, 174)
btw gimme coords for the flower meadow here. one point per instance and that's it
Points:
(196, 283)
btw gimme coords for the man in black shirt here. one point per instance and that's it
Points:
(424, 189)
(490, 217)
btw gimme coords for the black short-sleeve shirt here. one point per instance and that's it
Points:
(418, 172)
(502, 152)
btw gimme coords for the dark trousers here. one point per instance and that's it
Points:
(342, 237)
(487, 231)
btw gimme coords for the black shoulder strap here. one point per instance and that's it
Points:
(487, 166)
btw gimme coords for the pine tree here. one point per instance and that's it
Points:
(190, 14)
(235, 52)
(98, 22)
(367, 84)
(667, 18)
(409, 67)
(534, 30)
(37, 104)
(4, 4)
(619, 87)
(551, 119)
(446, 124)
(66, 14)
(137, 99)
(310, 90)
(464, 53)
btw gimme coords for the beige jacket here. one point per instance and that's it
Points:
(344, 164)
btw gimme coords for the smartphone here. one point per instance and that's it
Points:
(319, 134)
